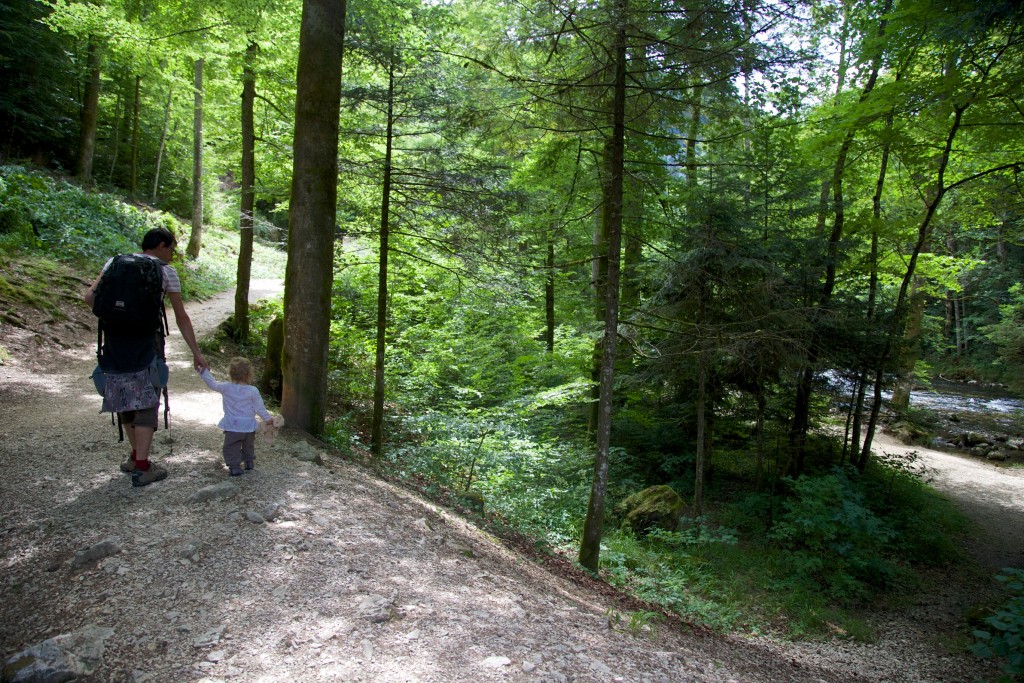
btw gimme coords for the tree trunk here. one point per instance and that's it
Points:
(869, 433)
(802, 403)
(691, 136)
(549, 297)
(248, 198)
(600, 280)
(762, 409)
(90, 115)
(195, 240)
(701, 465)
(270, 382)
(633, 229)
(116, 137)
(163, 142)
(135, 138)
(876, 212)
(958, 326)
(593, 525)
(310, 269)
(377, 429)
(923, 235)
(900, 401)
(962, 324)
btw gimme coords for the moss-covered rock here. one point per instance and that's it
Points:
(657, 506)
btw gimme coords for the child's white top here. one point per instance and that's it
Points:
(242, 403)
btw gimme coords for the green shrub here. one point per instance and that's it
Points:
(830, 534)
(1005, 638)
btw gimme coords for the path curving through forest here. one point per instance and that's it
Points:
(992, 497)
(314, 571)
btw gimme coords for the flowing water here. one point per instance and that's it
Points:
(971, 406)
(958, 407)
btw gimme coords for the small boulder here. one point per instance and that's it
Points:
(95, 553)
(972, 439)
(207, 493)
(66, 657)
(657, 506)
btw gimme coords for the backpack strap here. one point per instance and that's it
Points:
(99, 342)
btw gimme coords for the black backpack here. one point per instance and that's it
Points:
(129, 298)
(129, 302)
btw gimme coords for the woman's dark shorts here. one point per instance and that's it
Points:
(146, 417)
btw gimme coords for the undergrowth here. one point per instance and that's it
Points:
(44, 218)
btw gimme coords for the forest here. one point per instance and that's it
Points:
(543, 255)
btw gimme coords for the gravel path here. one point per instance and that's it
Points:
(993, 497)
(316, 571)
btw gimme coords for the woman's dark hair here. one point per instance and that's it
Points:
(157, 236)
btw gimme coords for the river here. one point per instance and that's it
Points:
(989, 407)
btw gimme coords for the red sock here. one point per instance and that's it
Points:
(142, 465)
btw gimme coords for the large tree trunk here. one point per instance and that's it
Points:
(248, 198)
(195, 240)
(377, 428)
(593, 525)
(90, 115)
(310, 269)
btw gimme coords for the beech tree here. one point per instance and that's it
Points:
(310, 269)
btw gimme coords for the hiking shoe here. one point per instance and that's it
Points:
(128, 466)
(235, 471)
(249, 464)
(154, 473)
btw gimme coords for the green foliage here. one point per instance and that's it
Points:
(70, 223)
(677, 571)
(38, 115)
(1005, 635)
(637, 623)
(831, 534)
(45, 215)
(1008, 335)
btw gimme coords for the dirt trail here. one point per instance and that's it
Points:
(319, 572)
(993, 498)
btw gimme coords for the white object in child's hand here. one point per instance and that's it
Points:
(270, 427)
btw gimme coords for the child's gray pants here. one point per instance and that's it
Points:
(239, 446)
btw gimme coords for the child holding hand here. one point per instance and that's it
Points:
(242, 403)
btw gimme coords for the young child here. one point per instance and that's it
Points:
(242, 403)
